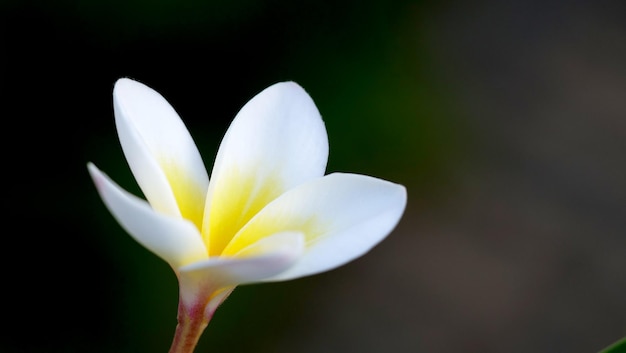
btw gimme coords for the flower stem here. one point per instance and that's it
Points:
(191, 324)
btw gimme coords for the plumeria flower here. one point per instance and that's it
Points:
(268, 212)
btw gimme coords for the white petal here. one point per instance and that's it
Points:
(268, 257)
(160, 151)
(287, 242)
(341, 215)
(174, 240)
(277, 141)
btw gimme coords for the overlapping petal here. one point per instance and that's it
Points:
(175, 240)
(277, 141)
(265, 258)
(342, 216)
(160, 151)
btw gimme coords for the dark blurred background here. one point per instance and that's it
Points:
(506, 120)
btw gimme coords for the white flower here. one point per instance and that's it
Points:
(268, 213)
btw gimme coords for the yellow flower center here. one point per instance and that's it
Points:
(238, 196)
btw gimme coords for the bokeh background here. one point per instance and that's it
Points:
(506, 120)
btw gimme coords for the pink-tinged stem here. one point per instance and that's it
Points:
(191, 324)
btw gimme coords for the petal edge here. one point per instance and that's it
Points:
(175, 240)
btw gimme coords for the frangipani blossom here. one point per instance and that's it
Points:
(268, 212)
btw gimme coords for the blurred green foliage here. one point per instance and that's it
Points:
(616, 347)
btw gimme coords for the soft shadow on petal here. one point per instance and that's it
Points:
(341, 215)
(175, 240)
(288, 242)
(160, 151)
(265, 258)
(277, 141)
